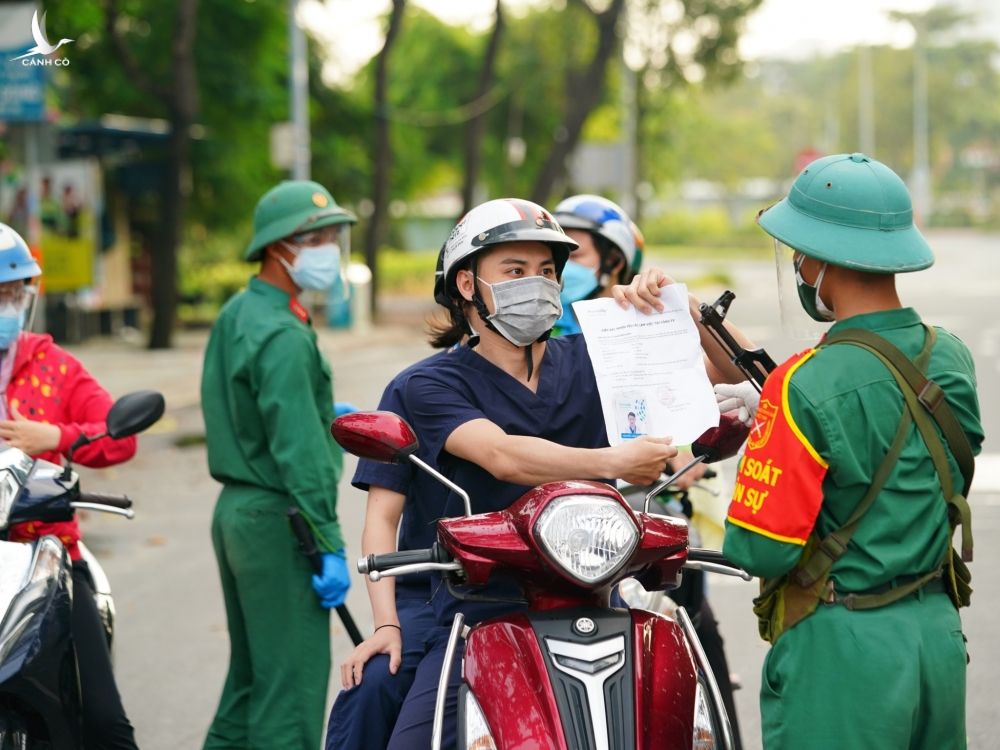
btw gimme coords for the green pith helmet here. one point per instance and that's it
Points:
(851, 211)
(290, 207)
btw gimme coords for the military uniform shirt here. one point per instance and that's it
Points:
(267, 398)
(825, 422)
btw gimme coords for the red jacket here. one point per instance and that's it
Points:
(48, 384)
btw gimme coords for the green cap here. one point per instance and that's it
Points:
(851, 211)
(290, 207)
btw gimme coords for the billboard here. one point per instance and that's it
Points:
(69, 205)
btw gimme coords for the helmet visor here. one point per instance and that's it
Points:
(795, 323)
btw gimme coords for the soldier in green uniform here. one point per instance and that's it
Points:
(267, 399)
(848, 492)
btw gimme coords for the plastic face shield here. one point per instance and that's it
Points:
(22, 298)
(340, 235)
(795, 323)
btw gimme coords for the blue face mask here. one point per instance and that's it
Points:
(578, 281)
(315, 267)
(11, 323)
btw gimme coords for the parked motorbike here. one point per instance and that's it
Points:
(570, 671)
(40, 701)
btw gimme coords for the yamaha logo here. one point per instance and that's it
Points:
(585, 626)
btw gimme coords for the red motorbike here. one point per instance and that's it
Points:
(570, 672)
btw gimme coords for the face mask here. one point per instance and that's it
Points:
(11, 323)
(314, 267)
(812, 303)
(578, 281)
(526, 308)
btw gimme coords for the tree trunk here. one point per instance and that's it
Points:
(180, 97)
(474, 128)
(382, 156)
(183, 106)
(583, 92)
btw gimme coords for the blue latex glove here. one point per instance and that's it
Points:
(332, 584)
(340, 408)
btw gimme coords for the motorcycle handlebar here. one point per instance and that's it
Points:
(713, 561)
(100, 498)
(390, 560)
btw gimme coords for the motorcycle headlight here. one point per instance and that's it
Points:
(588, 536)
(477, 731)
(704, 727)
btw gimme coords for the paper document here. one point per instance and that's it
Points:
(650, 369)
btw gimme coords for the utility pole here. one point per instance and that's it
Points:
(627, 198)
(921, 177)
(866, 101)
(298, 84)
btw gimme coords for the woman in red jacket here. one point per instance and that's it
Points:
(47, 400)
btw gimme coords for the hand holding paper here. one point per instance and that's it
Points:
(650, 367)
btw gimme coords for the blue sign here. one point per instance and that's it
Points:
(22, 80)
(22, 89)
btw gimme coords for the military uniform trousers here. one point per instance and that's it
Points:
(903, 664)
(275, 691)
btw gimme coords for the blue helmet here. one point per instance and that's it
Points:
(16, 260)
(605, 219)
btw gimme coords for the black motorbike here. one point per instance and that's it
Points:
(40, 701)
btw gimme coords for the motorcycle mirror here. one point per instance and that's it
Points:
(376, 435)
(134, 412)
(724, 441)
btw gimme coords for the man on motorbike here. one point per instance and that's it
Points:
(48, 400)
(496, 416)
(845, 506)
(267, 400)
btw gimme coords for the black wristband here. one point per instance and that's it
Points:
(387, 625)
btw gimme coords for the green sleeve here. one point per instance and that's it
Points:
(959, 384)
(758, 555)
(289, 375)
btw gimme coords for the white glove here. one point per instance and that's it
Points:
(740, 397)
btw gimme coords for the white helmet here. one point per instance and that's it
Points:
(492, 223)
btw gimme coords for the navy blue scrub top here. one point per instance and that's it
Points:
(425, 496)
(453, 390)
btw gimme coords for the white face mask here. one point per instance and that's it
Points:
(526, 308)
(315, 266)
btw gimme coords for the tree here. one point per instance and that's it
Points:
(584, 88)
(381, 150)
(671, 50)
(234, 104)
(180, 99)
(475, 127)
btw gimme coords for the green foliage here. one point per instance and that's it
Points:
(210, 268)
(407, 273)
(705, 228)
(242, 68)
